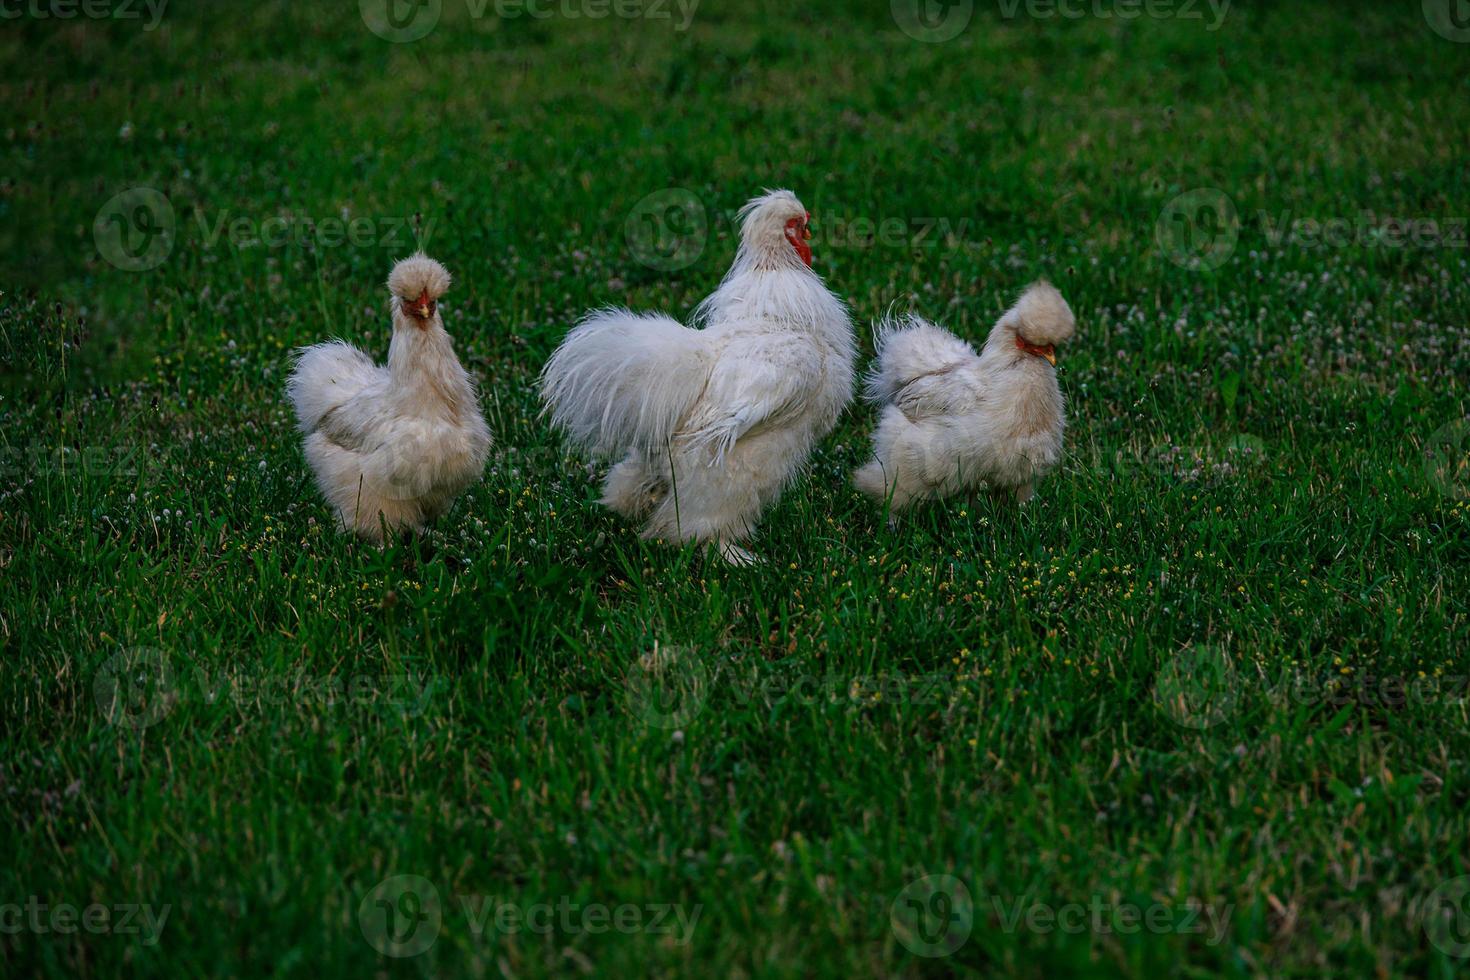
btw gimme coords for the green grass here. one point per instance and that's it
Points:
(529, 705)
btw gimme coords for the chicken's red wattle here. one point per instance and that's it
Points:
(420, 310)
(798, 233)
(1046, 352)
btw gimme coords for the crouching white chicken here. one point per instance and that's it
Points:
(712, 422)
(953, 419)
(392, 446)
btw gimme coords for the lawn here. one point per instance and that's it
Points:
(1198, 709)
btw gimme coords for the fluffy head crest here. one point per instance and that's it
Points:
(774, 207)
(763, 226)
(416, 275)
(1041, 316)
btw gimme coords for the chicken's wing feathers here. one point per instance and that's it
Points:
(910, 348)
(352, 431)
(327, 376)
(944, 393)
(623, 380)
(746, 392)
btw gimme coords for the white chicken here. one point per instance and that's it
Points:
(392, 446)
(953, 419)
(712, 422)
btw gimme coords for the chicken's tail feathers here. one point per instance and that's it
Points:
(1041, 316)
(325, 376)
(910, 347)
(623, 380)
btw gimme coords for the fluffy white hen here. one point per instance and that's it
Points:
(953, 419)
(392, 446)
(711, 422)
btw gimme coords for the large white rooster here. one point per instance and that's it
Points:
(711, 422)
(392, 446)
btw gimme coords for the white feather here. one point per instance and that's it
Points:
(953, 420)
(908, 348)
(622, 381)
(712, 422)
(326, 377)
(391, 446)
